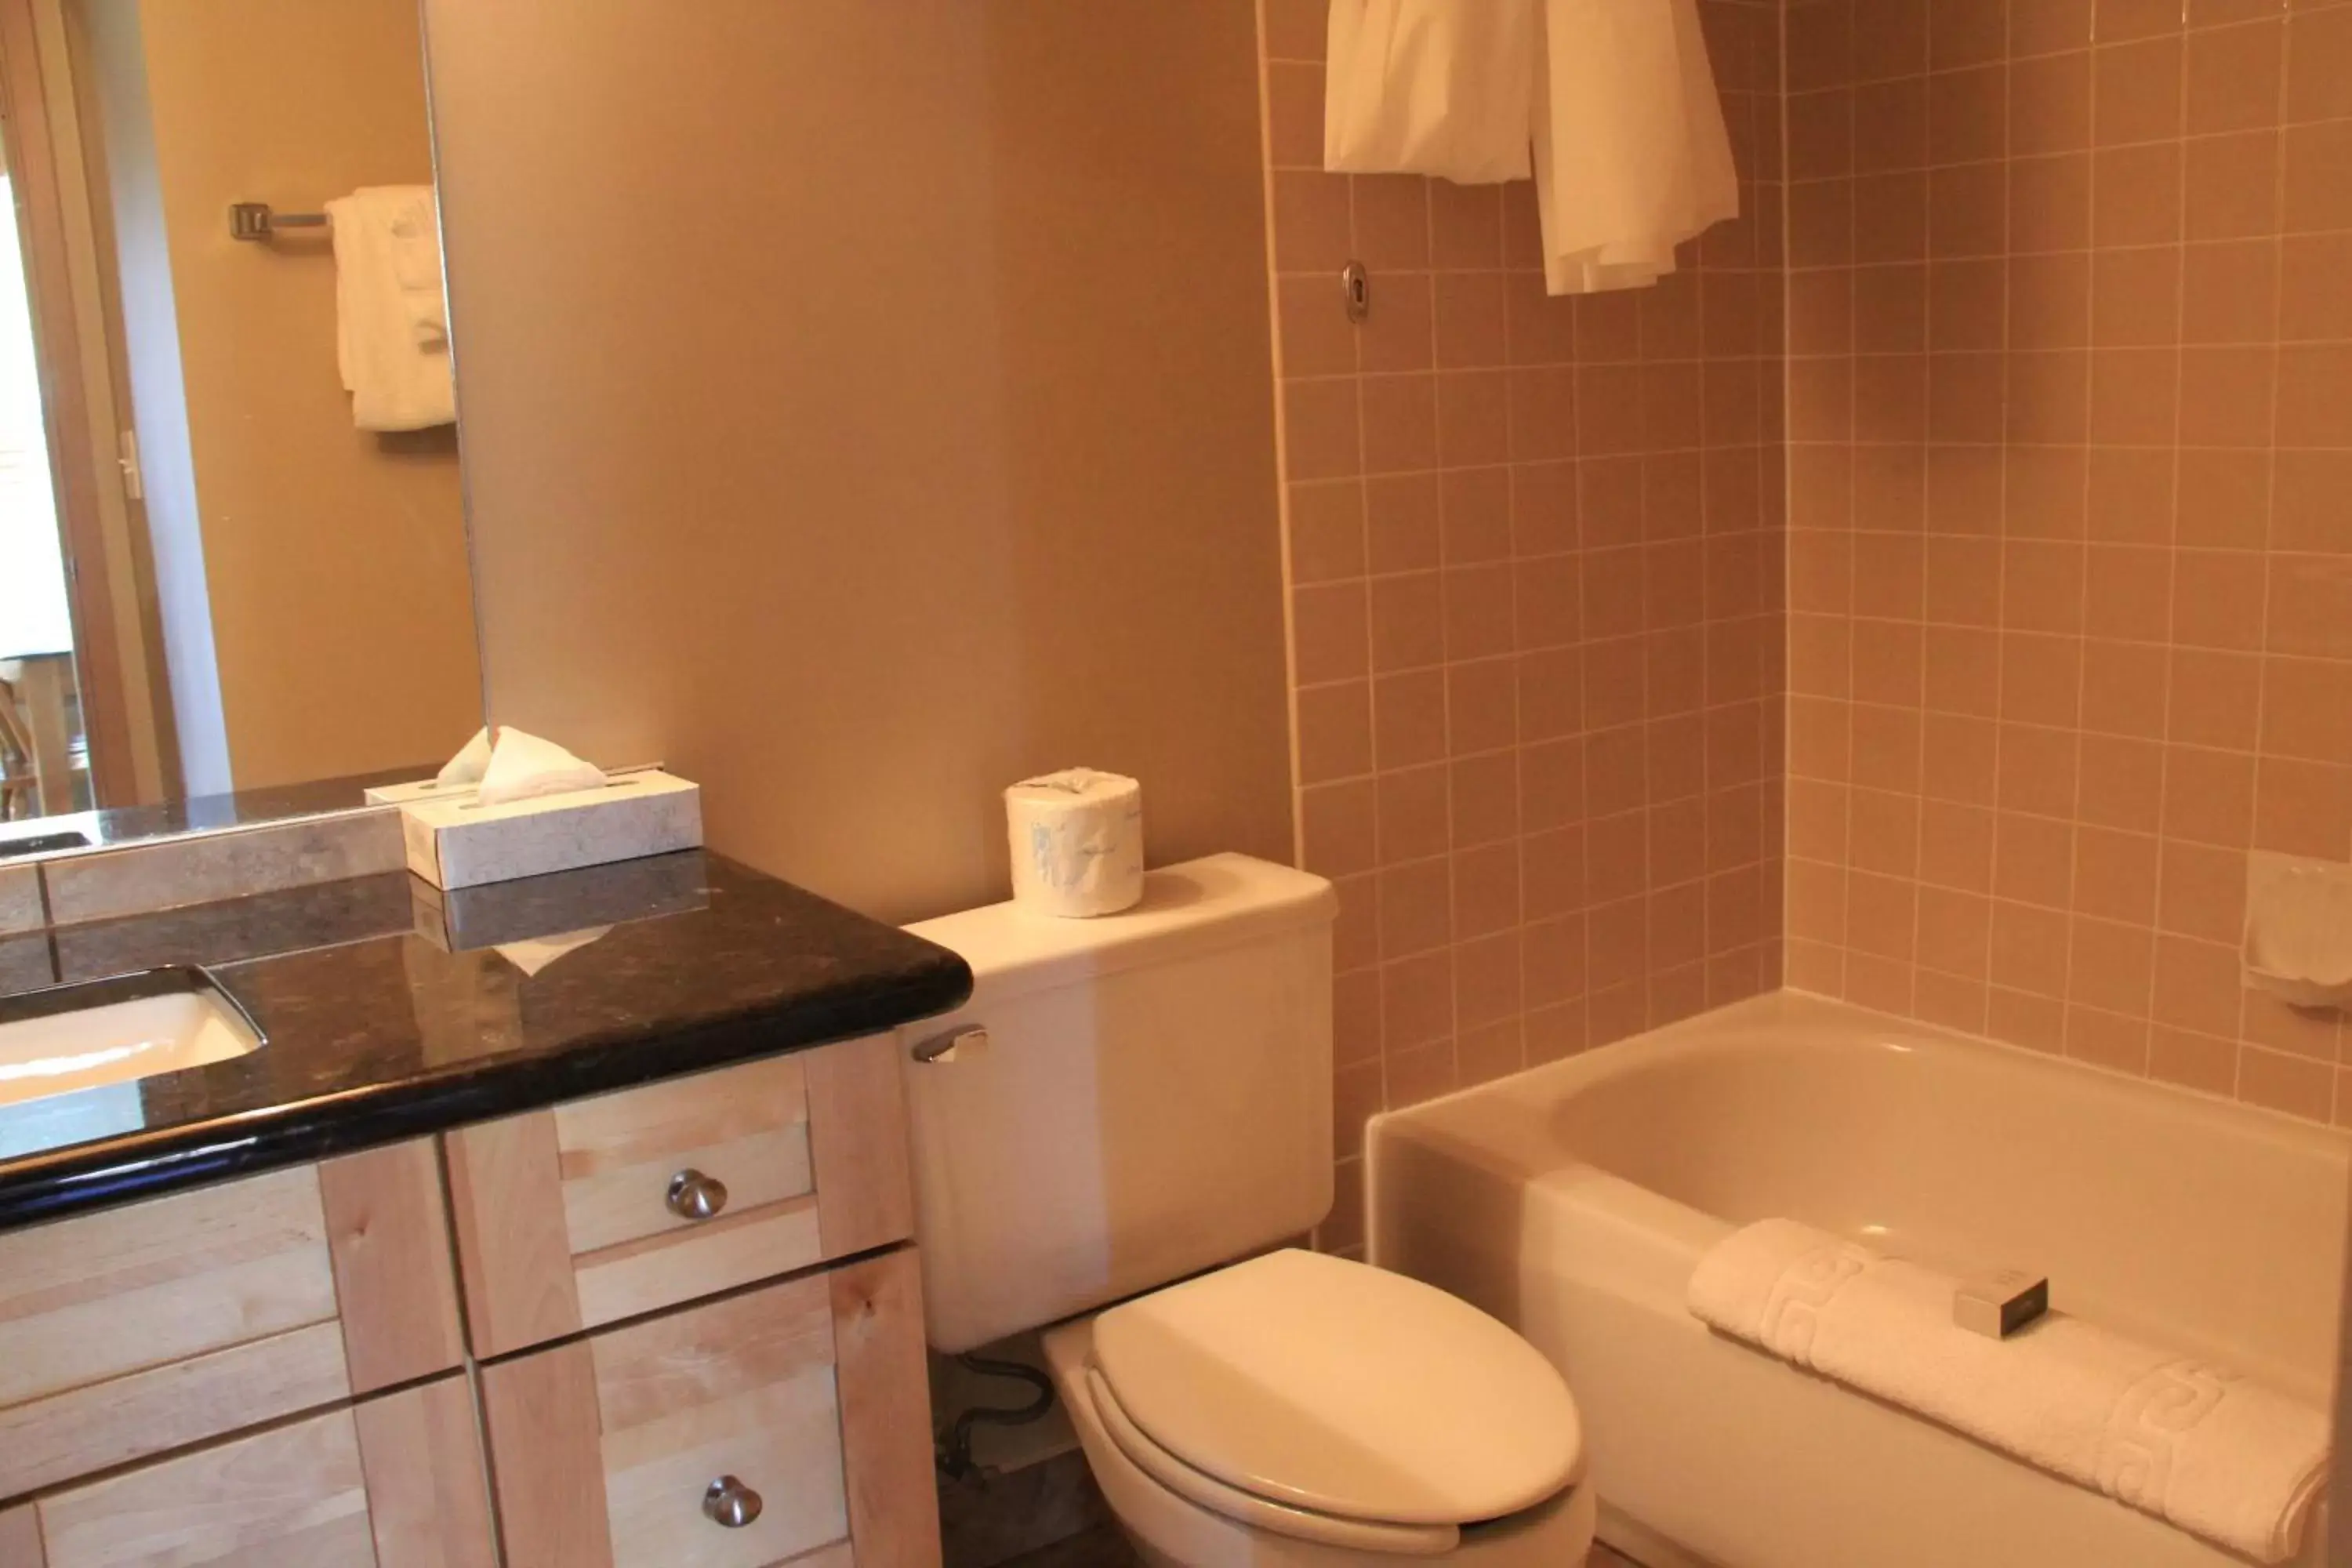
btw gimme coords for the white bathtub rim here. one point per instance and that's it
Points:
(1804, 1021)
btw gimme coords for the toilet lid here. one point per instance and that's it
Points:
(1335, 1386)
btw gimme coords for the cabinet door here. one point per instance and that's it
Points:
(394, 1482)
(130, 1333)
(622, 1204)
(20, 1539)
(801, 1406)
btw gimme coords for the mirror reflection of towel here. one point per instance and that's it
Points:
(392, 328)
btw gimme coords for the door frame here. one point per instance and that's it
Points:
(75, 462)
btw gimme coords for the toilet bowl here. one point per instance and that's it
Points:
(1310, 1412)
(1128, 1105)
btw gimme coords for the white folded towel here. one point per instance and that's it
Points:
(387, 307)
(416, 268)
(2196, 1444)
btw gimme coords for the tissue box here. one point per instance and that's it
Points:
(462, 919)
(460, 843)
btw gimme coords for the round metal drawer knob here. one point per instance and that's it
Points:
(693, 1195)
(731, 1503)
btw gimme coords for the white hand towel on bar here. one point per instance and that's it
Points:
(1615, 98)
(416, 268)
(2195, 1445)
(398, 380)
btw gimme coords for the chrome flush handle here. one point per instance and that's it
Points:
(729, 1502)
(693, 1195)
(971, 1041)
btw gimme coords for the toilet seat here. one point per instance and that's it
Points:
(1310, 1394)
(1352, 1535)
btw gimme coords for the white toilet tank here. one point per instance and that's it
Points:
(1154, 1097)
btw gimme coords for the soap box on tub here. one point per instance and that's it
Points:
(460, 843)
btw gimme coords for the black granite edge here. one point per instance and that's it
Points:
(36, 1188)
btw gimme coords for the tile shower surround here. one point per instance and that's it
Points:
(1534, 550)
(2037, 605)
(2069, 583)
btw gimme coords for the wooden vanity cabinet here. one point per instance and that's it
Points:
(144, 1328)
(788, 1423)
(389, 1482)
(607, 1208)
(695, 1286)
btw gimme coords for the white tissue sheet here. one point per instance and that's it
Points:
(467, 766)
(1077, 842)
(523, 766)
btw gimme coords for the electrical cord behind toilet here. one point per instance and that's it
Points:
(955, 1449)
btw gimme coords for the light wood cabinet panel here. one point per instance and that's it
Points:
(132, 1331)
(356, 1488)
(886, 1399)
(428, 1493)
(395, 1275)
(810, 1393)
(159, 1409)
(564, 1218)
(20, 1539)
(86, 1300)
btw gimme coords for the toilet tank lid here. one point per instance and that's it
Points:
(1196, 907)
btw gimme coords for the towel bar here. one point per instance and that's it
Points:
(256, 220)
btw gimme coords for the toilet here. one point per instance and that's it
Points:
(1123, 1135)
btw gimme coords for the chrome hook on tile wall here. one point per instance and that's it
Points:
(1358, 284)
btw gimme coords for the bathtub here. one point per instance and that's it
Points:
(1574, 1199)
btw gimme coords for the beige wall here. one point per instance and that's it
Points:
(868, 405)
(2071, 568)
(335, 559)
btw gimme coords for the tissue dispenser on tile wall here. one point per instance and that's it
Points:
(2299, 930)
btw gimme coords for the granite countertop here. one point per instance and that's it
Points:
(392, 1010)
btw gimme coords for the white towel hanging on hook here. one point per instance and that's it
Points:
(1631, 154)
(1429, 87)
(1610, 104)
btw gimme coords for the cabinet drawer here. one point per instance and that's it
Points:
(140, 1330)
(805, 1400)
(394, 1482)
(587, 1214)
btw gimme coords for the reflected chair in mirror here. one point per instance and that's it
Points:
(20, 780)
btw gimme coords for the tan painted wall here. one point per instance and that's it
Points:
(866, 406)
(336, 559)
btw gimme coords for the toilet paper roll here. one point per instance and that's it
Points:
(1077, 842)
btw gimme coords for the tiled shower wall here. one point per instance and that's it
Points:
(2071, 566)
(1534, 550)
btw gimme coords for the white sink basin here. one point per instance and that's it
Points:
(129, 1028)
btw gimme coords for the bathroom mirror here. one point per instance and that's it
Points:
(232, 559)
